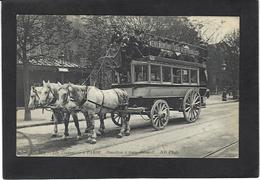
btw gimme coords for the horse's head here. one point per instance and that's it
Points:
(46, 94)
(34, 97)
(64, 94)
(70, 93)
(67, 97)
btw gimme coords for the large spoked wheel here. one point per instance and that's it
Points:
(191, 105)
(117, 118)
(160, 114)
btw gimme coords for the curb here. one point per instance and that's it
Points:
(46, 123)
(96, 118)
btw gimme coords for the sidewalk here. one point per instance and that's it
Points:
(217, 99)
(44, 118)
(38, 118)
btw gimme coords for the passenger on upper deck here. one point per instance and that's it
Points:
(117, 36)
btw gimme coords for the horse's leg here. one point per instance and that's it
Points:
(66, 119)
(76, 122)
(127, 127)
(123, 128)
(93, 136)
(87, 122)
(102, 125)
(55, 122)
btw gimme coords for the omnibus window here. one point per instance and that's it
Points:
(155, 73)
(176, 75)
(194, 76)
(185, 76)
(141, 72)
(203, 77)
(166, 72)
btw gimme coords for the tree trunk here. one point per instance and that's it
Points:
(26, 87)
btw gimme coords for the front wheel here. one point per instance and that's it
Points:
(191, 105)
(117, 118)
(159, 115)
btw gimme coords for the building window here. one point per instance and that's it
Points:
(185, 76)
(141, 72)
(166, 73)
(176, 72)
(155, 73)
(194, 76)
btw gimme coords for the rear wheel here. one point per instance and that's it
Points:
(160, 114)
(191, 105)
(117, 118)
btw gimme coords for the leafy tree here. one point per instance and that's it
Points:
(231, 47)
(36, 37)
(99, 29)
(29, 36)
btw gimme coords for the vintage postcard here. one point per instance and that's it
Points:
(127, 86)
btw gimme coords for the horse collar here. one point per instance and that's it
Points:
(54, 99)
(85, 97)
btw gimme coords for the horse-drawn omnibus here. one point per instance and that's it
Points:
(160, 75)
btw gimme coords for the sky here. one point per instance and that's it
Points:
(216, 27)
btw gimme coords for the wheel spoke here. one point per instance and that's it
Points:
(188, 114)
(187, 104)
(165, 111)
(196, 98)
(194, 115)
(188, 108)
(196, 107)
(197, 102)
(163, 107)
(189, 100)
(155, 115)
(159, 123)
(156, 121)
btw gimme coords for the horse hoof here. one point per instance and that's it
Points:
(93, 141)
(78, 137)
(119, 135)
(98, 133)
(65, 137)
(127, 133)
(54, 135)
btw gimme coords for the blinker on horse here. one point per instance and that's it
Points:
(34, 97)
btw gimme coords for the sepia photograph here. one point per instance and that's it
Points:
(127, 86)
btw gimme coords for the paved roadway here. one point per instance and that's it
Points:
(214, 135)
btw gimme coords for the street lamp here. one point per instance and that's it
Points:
(62, 70)
(224, 94)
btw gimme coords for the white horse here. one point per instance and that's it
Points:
(34, 104)
(48, 97)
(91, 100)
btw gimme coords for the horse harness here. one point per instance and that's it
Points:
(85, 99)
(54, 99)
